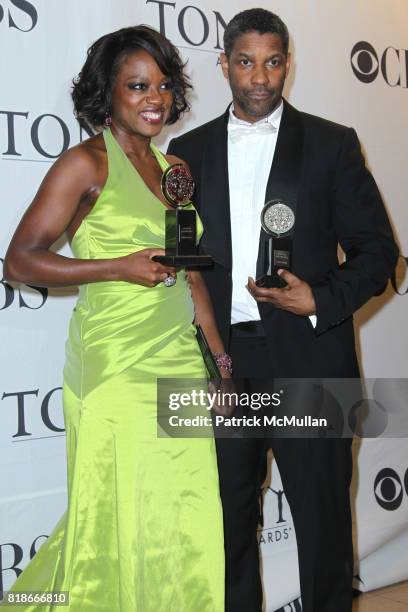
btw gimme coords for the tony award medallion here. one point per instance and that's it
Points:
(278, 220)
(178, 186)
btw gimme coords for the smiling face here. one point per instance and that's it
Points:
(141, 96)
(256, 70)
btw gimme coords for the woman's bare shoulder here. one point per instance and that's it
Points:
(90, 150)
(86, 157)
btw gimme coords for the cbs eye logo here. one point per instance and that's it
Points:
(389, 490)
(393, 64)
(364, 62)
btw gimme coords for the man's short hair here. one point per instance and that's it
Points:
(255, 20)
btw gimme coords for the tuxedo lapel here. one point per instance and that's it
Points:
(215, 208)
(283, 181)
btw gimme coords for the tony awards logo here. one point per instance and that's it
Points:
(278, 221)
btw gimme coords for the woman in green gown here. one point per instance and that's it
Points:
(143, 529)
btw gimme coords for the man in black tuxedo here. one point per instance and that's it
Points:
(262, 149)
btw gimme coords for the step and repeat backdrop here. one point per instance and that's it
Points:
(350, 65)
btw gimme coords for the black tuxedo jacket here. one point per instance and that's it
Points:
(318, 167)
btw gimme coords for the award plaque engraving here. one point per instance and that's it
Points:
(177, 186)
(277, 220)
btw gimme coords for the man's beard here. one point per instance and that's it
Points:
(258, 108)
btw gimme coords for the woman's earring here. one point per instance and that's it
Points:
(108, 120)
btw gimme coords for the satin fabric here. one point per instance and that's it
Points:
(143, 529)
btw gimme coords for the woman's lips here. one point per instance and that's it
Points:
(152, 116)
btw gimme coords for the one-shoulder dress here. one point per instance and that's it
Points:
(143, 529)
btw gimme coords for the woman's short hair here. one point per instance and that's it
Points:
(92, 89)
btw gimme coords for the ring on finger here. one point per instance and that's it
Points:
(170, 280)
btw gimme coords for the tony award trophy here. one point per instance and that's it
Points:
(278, 220)
(177, 186)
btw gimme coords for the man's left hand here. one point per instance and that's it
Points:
(296, 297)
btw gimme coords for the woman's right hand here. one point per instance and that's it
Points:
(139, 268)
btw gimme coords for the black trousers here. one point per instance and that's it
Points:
(316, 475)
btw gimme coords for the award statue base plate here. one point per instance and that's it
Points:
(273, 280)
(181, 261)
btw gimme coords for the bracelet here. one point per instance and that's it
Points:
(223, 360)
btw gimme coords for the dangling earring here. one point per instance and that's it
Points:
(108, 120)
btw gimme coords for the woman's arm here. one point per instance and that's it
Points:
(204, 314)
(74, 178)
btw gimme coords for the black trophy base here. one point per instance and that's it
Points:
(183, 261)
(269, 281)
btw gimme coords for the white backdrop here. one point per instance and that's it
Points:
(43, 46)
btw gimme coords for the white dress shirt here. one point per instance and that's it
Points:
(251, 147)
(249, 164)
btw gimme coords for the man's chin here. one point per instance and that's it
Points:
(259, 108)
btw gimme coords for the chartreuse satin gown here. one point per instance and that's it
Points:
(143, 529)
